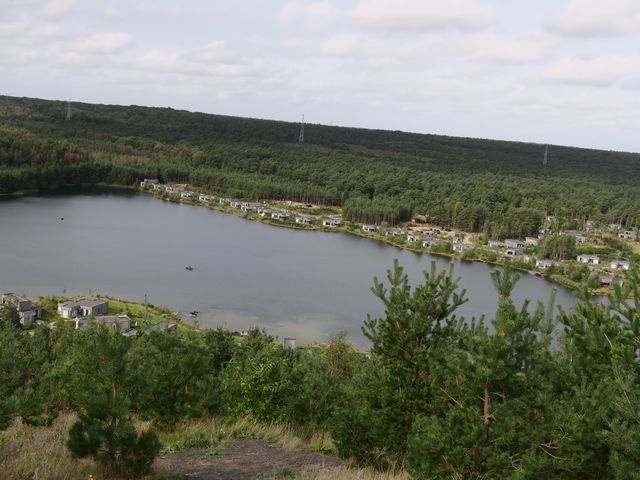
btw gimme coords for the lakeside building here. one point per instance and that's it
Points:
(628, 235)
(531, 241)
(331, 222)
(150, 182)
(265, 212)
(460, 247)
(413, 237)
(513, 243)
(394, 232)
(206, 198)
(589, 259)
(305, 220)
(495, 244)
(514, 252)
(82, 308)
(545, 263)
(27, 310)
(369, 228)
(249, 207)
(121, 323)
(280, 215)
(620, 265)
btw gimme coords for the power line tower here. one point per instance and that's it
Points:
(546, 155)
(68, 110)
(301, 136)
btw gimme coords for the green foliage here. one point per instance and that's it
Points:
(497, 188)
(9, 317)
(374, 428)
(557, 247)
(101, 378)
(29, 378)
(175, 376)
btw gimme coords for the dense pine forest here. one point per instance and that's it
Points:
(495, 187)
(531, 393)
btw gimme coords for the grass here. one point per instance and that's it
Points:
(28, 452)
(209, 432)
(339, 473)
(41, 453)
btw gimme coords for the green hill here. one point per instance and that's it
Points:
(496, 187)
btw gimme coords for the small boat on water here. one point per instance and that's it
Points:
(188, 267)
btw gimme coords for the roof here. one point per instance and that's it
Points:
(83, 302)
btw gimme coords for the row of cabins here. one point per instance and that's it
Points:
(86, 311)
(244, 206)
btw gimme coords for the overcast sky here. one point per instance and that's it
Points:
(549, 71)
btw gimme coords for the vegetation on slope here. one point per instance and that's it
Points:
(499, 188)
(529, 394)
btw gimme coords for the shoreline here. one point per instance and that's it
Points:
(352, 229)
(558, 280)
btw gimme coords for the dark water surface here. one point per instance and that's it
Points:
(294, 283)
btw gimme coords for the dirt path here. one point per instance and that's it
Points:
(240, 460)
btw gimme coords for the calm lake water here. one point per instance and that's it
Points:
(302, 284)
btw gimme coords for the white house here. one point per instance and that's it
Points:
(281, 215)
(305, 220)
(589, 259)
(413, 237)
(620, 265)
(149, 182)
(459, 247)
(628, 235)
(369, 228)
(206, 198)
(495, 244)
(187, 194)
(512, 243)
(82, 308)
(394, 232)
(331, 222)
(531, 241)
(545, 263)
(249, 207)
(514, 252)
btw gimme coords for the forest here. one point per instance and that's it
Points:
(498, 188)
(534, 392)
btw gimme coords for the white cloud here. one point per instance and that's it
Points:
(10, 29)
(509, 50)
(595, 72)
(422, 15)
(597, 18)
(104, 43)
(303, 14)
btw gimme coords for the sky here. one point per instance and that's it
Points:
(550, 71)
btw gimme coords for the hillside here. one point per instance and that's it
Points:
(500, 188)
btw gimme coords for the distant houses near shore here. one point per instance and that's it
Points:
(514, 249)
(82, 312)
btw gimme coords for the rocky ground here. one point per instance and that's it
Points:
(240, 460)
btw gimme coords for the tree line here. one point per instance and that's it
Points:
(497, 188)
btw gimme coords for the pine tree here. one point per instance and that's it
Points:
(100, 374)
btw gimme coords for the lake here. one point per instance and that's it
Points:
(294, 283)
